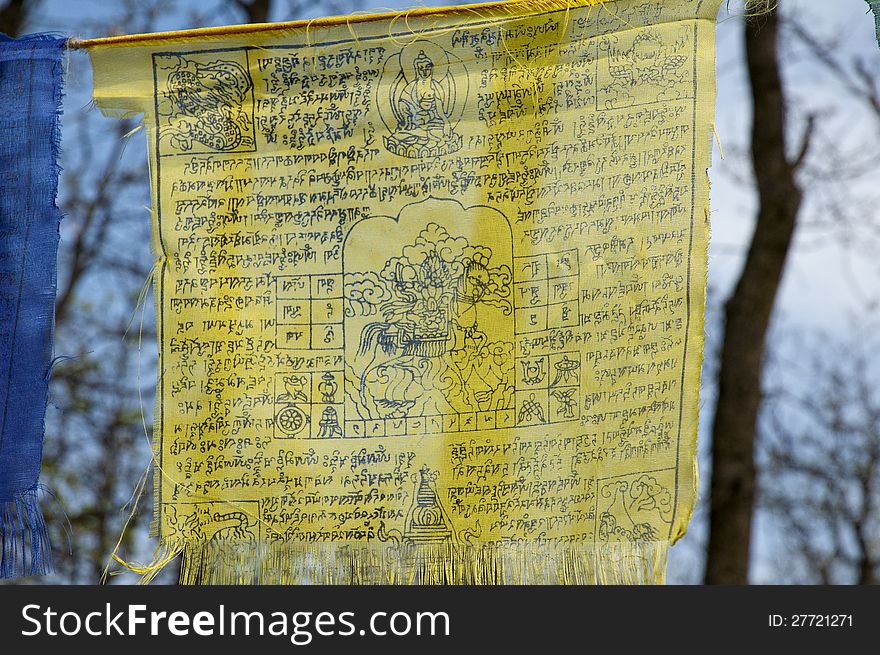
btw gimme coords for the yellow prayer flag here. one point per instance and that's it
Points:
(430, 289)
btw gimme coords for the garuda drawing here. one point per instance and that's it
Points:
(425, 101)
(634, 509)
(205, 104)
(430, 333)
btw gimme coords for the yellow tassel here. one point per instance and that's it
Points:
(224, 562)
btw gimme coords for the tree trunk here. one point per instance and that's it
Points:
(748, 311)
(13, 16)
(257, 11)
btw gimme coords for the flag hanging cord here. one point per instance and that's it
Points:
(483, 9)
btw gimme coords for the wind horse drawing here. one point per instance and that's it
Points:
(429, 331)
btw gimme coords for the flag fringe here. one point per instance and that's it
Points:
(233, 562)
(25, 548)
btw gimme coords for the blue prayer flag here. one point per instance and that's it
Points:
(31, 75)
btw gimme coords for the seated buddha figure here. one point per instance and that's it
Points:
(423, 108)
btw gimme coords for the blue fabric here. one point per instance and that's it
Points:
(31, 73)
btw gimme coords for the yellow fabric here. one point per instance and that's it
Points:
(430, 290)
